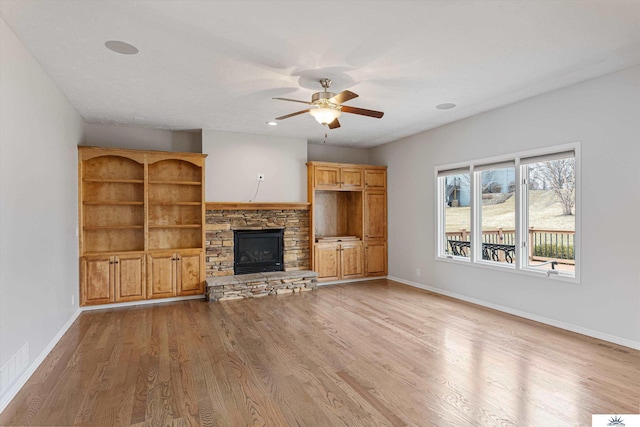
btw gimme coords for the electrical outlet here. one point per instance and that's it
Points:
(418, 272)
(260, 177)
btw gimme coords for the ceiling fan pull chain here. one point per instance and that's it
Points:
(325, 138)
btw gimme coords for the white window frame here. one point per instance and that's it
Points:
(521, 214)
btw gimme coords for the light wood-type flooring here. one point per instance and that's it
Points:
(360, 354)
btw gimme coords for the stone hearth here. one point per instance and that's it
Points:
(225, 288)
(220, 225)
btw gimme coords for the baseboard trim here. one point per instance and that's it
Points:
(22, 380)
(340, 282)
(141, 302)
(547, 321)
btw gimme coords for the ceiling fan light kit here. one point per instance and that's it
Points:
(326, 106)
(325, 115)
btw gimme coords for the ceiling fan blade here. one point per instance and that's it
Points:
(343, 96)
(293, 100)
(292, 114)
(334, 124)
(362, 111)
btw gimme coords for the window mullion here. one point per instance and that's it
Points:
(476, 197)
(520, 195)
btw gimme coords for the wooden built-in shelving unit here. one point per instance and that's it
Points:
(348, 220)
(141, 217)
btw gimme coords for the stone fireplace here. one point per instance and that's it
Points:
(222, 219)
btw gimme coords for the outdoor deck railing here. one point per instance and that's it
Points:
(544, 244)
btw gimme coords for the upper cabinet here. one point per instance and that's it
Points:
(328, 177)
(375, 178)
(131, 204)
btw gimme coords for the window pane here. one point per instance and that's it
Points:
(551, 214)
(498, 214)
(457, 214)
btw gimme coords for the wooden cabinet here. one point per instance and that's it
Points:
(376, 258)
(327, 261)
(351, 260)
(328, 177)
(348, 220)
(132, 204)
(375, 215)
(336, 261)
(117, 278)
(375, 178)
(175, 274)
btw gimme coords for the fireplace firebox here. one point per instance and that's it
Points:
(258, 251)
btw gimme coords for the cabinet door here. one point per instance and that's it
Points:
(189, 273)
(129, 278)
(161, 280)
(352, 260)
(376, 259)
(327, 261)
(375, 215)
(96, 277)
(352, 178)
(326, 177)
(375, 179)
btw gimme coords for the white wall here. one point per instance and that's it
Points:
(39, 133)
(138, 138)
(235, 159)
(604, 114)
(331, 153)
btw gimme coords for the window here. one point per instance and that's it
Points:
(518, 212)
(497, 209)
(456, 205)
(549, 215)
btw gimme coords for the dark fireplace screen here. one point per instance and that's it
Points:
(257, 251)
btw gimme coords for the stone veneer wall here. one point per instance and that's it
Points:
(219, 236)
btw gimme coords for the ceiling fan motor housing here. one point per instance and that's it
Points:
(318, 96)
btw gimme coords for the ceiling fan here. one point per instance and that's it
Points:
(327, 106)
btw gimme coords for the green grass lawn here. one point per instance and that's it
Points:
(545, 211)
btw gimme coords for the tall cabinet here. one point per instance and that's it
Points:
(348, 220)
(141, 222)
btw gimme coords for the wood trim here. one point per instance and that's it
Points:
(242, 206)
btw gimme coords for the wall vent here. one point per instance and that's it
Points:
(13, 367)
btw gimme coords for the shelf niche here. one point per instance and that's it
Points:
(338, 213)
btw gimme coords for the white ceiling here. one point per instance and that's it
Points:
(217, 64)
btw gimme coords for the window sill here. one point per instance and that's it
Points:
(510, 268)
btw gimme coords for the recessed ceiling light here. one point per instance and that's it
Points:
(446, 106)
(121, 47)
(272, 123)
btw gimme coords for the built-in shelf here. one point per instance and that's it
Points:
(106, 203)
(176, 226)
(176, 182)
(113, 227)
(108, 253)
(114, 181)
(176, 203)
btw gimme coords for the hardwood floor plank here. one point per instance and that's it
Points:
(373, 353)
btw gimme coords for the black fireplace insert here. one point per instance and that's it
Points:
(257, 251)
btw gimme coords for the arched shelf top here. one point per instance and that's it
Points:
(112, 167)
